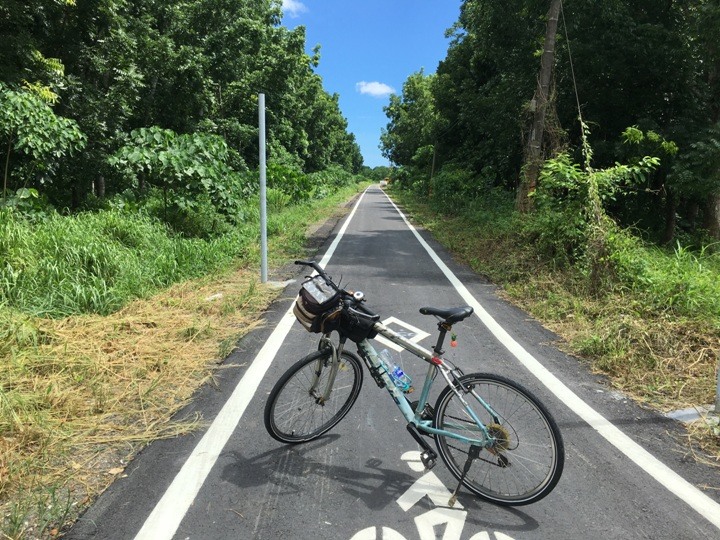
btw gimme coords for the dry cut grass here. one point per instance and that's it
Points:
(81, 394)
(660, 359)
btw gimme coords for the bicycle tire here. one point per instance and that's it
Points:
(294, 415)
(527, 460)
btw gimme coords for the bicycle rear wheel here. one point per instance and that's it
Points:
(526, 460)
(296, 410)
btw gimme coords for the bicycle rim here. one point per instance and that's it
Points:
(295, 411)
(527, 459)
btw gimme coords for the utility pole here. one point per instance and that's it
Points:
(263, 181)
(533, 159)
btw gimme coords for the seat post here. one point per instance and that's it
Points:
(444, 328)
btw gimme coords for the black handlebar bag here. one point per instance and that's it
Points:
(357, 325)
(317, 307)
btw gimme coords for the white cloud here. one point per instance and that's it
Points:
(375, 89)
(293, 8)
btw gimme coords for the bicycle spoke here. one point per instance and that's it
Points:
(301, 407)
(522, 459)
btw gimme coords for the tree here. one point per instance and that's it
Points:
(412, 124)
(29, 127)
(706, 150)
(190, 67)
(483, 85)
(533, 158)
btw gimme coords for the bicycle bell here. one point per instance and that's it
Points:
(358, 296)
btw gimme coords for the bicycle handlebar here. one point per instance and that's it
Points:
(315, 266)
(349, 295)
(366, 311)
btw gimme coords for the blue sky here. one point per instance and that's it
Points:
(368, 49)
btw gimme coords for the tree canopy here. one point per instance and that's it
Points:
(108, 67)
(626, 63)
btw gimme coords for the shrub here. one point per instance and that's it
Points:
(570, 222)
(290, 180)
(198, 218)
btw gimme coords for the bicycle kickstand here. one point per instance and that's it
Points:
(473, 453)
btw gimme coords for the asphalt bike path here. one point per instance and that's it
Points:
(626, 474)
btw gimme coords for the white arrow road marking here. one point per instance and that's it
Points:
(429, 485)
(386, 533)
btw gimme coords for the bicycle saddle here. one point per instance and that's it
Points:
(450, 315)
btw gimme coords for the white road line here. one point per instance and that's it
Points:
(672, 481)
(164, 520)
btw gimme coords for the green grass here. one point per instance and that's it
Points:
(97, 262)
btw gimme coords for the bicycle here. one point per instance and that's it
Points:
(493, 435)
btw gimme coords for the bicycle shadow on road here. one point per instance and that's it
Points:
(303, 468)
(309, 469)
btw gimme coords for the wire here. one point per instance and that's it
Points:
(586, 148)
(572, 67)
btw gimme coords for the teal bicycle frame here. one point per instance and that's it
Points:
(436, 363)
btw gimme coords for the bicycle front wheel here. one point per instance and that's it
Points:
(524, 459)
(306, 402)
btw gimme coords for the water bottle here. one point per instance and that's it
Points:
(398, 376)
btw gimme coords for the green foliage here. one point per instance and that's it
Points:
(27, 201)
(483, 86)
(201, 219)
(479, 112)
(192, 170)
(376, 173)
(409, 136)
(570, 206)
(697, 169)
(455, 187)
(291, 181)
(189, 67)
(28, 126)
(330, 180)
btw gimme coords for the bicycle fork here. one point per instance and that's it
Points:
(321, 398)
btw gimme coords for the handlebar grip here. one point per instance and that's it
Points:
(315, 266)
(320, 271)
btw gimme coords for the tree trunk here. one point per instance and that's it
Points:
(712, 215)
(533, 158)
(670, 217)
(100, 187)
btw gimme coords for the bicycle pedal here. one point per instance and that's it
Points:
(428, 459)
